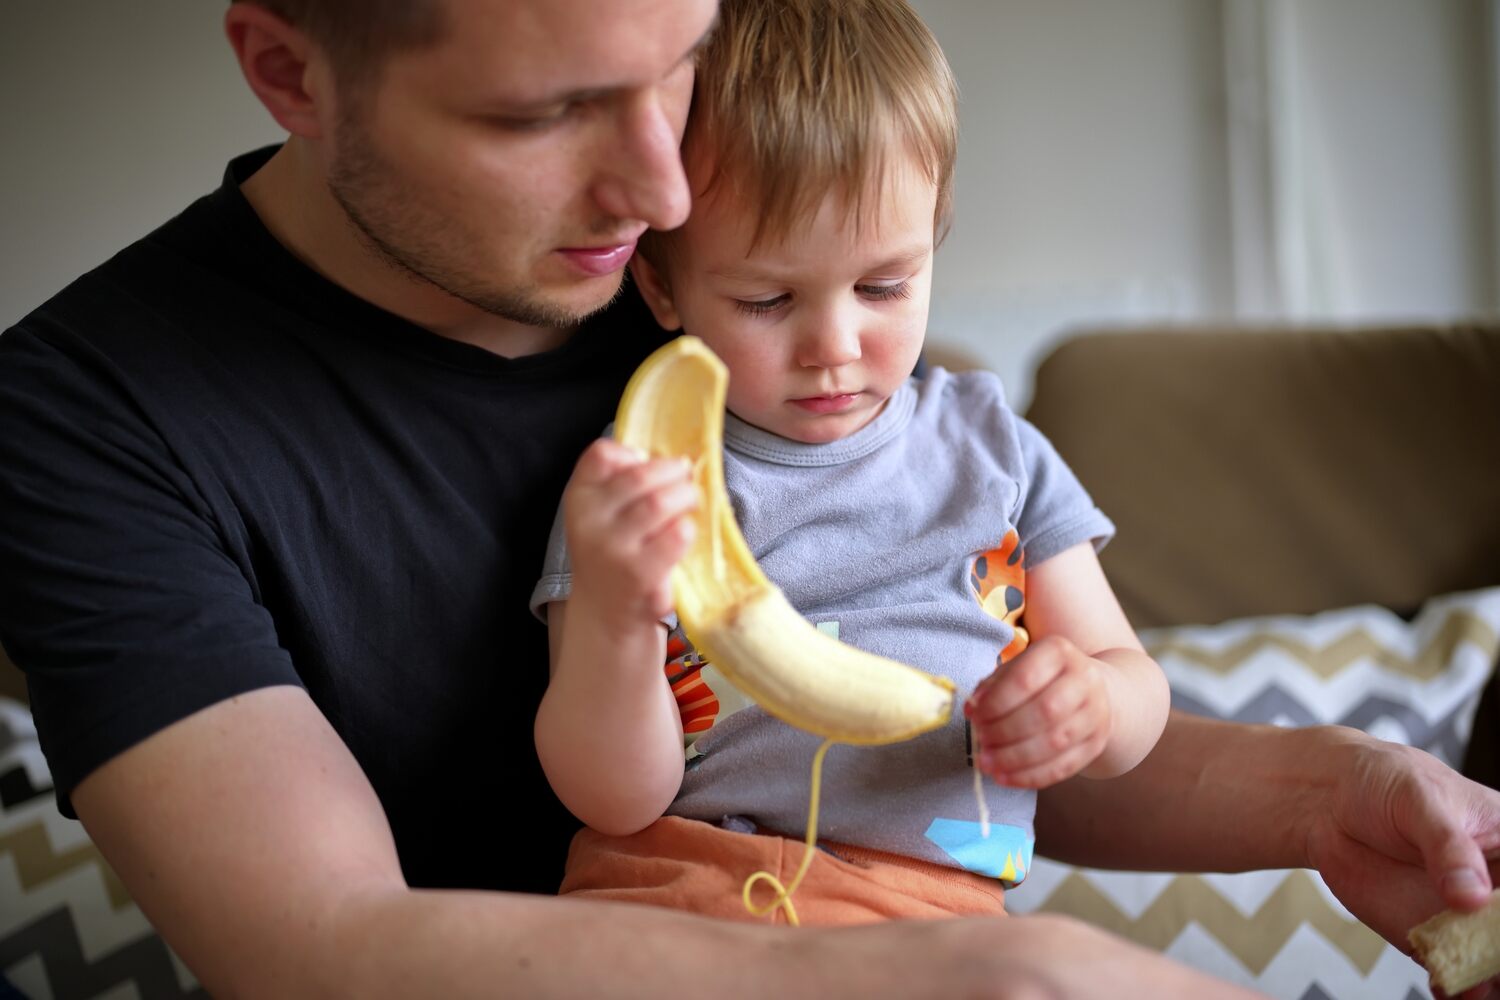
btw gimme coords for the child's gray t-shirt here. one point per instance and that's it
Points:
(909, 539)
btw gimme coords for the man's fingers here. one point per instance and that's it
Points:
(1459, 869)
(1454, 861)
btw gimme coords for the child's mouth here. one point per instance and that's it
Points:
(827, 404)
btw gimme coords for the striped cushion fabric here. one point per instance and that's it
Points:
(1414, 680)
(68, 929)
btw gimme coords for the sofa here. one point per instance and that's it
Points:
(1277, 492)
(1309, 532)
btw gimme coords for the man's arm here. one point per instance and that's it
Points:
(251, 839)
(1396, 834)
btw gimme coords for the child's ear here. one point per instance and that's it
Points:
(656, 292)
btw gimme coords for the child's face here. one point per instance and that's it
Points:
(818, 331)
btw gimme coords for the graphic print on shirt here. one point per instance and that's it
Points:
(997, 578)
(704, 696)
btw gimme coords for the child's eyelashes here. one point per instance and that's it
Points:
(878, 293)
(761, 307)
(899, 290)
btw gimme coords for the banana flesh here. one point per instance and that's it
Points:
(735, 616)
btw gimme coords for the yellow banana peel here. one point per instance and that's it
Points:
(674, 407)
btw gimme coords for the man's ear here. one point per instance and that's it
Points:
(276, 58)
(656, 292)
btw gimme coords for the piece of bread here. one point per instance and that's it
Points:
(1460, 950)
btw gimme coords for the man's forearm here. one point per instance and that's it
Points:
(461, 944)
(457, 945)
(1211, 796)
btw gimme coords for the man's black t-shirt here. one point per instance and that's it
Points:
(221, 472)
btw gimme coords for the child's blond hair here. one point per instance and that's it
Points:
(795, 99)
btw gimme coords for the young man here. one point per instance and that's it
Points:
(274, 485)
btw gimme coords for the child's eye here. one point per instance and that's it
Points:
(760, 307)
(900, 290)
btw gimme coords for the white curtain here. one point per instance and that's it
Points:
(1362, 139)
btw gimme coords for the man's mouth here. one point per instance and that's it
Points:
(599, 260)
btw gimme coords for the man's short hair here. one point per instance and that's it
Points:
(359, 34)
(795, 99)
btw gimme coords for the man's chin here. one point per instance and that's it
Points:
(604, 289)
(556, 307)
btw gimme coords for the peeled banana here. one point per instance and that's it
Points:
(674, 406)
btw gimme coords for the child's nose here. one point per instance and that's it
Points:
(830, 344)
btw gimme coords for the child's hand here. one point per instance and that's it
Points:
(628, 522)
(1043, 717)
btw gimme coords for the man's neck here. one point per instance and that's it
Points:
(294, 203)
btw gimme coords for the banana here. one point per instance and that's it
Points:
(736, 617)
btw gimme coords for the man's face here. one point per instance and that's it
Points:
(515, 163)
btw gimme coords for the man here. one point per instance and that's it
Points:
(276, 484)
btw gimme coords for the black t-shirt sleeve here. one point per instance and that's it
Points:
(119, 597)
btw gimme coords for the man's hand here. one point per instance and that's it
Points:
(1403, 837)
(1043, 717)
(628, 523)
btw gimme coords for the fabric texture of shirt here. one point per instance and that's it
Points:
(221, 472)
(908, 539)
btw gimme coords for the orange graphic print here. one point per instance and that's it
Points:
(696, 702)
(998, 578)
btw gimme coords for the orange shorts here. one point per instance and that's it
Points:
(690, 865)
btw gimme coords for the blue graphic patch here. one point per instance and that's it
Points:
(1005, 854)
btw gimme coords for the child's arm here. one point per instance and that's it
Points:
(1083, 697)
(608, 733)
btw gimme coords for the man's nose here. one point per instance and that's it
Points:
(642, 178)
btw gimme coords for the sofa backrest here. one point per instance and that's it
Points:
(1288, 471)
(1257, 472)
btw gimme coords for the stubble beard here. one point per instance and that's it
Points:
(420, 245)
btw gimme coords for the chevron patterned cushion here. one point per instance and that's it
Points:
(1415, 681)
(67, 927)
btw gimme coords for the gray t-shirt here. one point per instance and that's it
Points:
(908, 539)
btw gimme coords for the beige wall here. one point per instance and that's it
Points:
(113, 115)
(1092, 182)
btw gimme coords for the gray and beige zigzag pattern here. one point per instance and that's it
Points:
(68, 929)
(1415, 681)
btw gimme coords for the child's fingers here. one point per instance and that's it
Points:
(602, 459)
(1055, 704)
(1004, 754)
(601, 494)
(1047, 773)
(651, 511)
(1013, 685)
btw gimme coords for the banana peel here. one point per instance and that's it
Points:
(737, 618)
